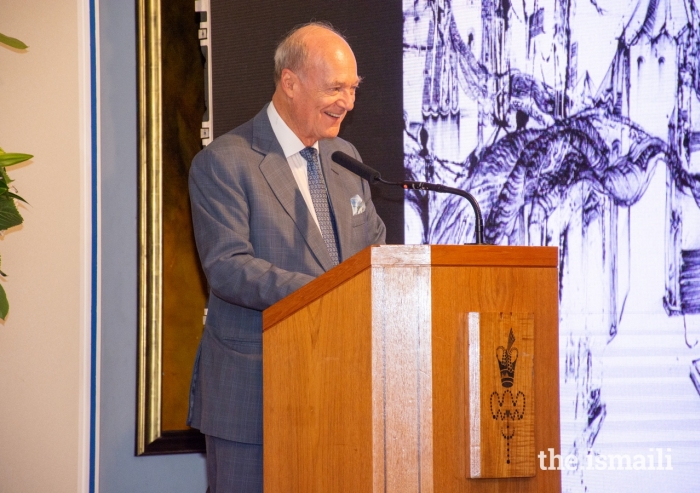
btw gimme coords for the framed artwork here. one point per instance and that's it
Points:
(172, 287)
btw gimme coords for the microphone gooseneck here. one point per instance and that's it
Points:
(373, 176)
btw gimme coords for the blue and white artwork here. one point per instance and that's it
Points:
(576, 124)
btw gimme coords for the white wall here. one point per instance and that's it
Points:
(43, 352)
(44, 344)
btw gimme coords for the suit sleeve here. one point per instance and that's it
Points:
(220, 214)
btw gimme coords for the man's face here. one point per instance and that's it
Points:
(325, 91)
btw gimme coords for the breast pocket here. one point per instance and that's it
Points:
(358, 234)
(359, 219)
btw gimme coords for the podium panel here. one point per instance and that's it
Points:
(318, 368)
(415, 369)
(500, 372)
(518, 280)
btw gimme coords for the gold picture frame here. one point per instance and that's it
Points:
(172, 290)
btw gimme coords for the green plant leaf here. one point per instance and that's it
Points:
(10, 158)
(15, 196)
(5, 177)
(14, 43)
(4, 304)
(9, 215)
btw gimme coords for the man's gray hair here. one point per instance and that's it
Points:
(292, 51)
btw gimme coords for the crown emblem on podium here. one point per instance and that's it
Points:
(507, 357)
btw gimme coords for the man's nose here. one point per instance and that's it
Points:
(347, 100)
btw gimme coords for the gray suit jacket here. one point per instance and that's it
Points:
(257, 243)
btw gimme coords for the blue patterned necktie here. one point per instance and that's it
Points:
(319, 197)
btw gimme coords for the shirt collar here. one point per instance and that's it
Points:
(291, 144)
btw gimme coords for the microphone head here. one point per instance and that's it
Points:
(358, 167)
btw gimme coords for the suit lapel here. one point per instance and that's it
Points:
(276, 171)
(339, 200)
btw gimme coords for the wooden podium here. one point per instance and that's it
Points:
(416, 369)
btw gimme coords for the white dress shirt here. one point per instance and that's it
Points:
(291, 146)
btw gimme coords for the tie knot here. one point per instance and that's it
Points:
(309, 153)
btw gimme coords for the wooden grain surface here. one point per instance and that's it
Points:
(501, 398)
(347, 379)
(402, 369)
(365, 370)
(490, 255)
(374, 255)
(457, 291)
(435, 255)
(317, 288)
(318, 407)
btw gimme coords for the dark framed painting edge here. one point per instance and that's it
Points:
(176, 442)
(151, 438)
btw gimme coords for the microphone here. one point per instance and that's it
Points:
(373, 176)
(358, 167)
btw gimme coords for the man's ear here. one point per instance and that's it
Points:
(288, 82)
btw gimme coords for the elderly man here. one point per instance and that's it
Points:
(271, 211)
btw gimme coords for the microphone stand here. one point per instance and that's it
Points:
(433, 187)
(372, 176)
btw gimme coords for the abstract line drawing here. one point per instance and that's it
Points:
(557, 115)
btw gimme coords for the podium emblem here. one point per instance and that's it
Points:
(507, 407)
(501, 394)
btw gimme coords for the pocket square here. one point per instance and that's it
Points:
(358, 205)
